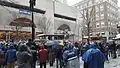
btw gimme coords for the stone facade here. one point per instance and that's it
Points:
(8, 14)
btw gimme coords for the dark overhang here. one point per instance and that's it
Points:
(17, 6)
(64, 17)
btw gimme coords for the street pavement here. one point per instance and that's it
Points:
(113, 63)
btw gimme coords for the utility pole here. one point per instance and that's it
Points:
(32, 4)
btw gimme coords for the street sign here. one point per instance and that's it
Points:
(27, 12)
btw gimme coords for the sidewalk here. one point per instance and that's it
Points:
(113, 63)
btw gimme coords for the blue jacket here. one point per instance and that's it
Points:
(69, 55)
(1, 47)
(11, 55)
(94, 58)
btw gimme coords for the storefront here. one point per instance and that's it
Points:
(20, 35)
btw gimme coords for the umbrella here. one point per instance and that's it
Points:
(61, 43)
(49, 43)
(56, 44)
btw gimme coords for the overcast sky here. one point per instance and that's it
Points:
(71, 2)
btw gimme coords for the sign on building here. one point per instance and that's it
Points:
(26, 12)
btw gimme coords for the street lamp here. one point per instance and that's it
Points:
(32, 4)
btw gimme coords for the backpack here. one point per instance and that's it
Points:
(70, 55)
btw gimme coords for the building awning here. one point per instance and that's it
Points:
(64, 17)
(23, 22)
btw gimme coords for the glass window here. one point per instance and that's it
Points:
(109, 23)
(103, 33)
(102, 15)
(78, 7)
(97, 18)
(96, 8)
(97, 15)
(101, 7)
(108, 14)
(97, 24)
(102, 24)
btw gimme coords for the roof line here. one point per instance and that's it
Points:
(18, 6)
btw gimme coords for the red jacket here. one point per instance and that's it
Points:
(43, 54)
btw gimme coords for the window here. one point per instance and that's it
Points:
(97, 18)
(78, 7)
(109, 23)
(102, 24)
(108, 14)
(103, 33)
(97, 15)
(97, 24)
(101, 7)
(96, 8)
(112, 24)
(102, 15)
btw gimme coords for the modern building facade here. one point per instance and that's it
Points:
(104, 16)
(49, 18)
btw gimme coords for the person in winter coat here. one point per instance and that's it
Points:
(93, 57)
(113, 49)
(118, 49)
(59, 57)
(106, 50)
(77, 49)
(70, 58)
(51, 56)
(24, 57)
(34, 56)
(30, 43)
(43, 56)
(2, 58)
(84, 48)
(11, 57)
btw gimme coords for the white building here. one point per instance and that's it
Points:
(56, 13)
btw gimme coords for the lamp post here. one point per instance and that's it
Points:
(32, 4)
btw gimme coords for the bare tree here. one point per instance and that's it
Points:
(44, 25)
(11, 19)
(88, 16)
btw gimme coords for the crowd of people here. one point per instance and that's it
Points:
(28, 54)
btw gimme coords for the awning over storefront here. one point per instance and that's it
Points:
(23, 22)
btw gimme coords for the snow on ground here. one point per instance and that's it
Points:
(113, 63)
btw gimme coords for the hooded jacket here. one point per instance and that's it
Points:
(24, 57)
(11, 54)
(94, 57)
(43, 54)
